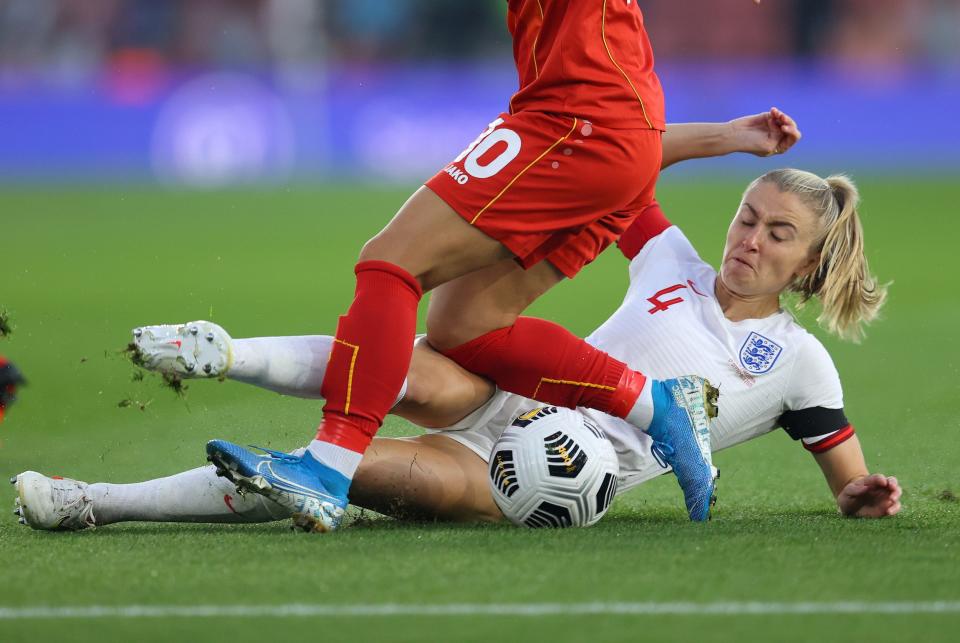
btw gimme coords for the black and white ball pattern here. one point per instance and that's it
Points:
(553, 468)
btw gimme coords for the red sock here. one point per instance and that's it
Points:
(370, 355)
(541, 360)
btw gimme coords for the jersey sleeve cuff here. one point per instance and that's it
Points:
(648, 224)
(827, 442)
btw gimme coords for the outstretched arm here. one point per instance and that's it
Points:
(859, 493)
(766, 134)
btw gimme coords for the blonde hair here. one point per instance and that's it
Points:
(849, 294)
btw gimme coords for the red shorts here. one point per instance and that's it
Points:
(552, 187)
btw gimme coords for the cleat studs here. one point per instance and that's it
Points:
(13, 480)
(194, 330)
(22, 520)
(210, 337)
(207, 368)
(190, 367)
(137, 332)
(16, 511)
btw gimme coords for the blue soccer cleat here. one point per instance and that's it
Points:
(682, 410)
(314, 493)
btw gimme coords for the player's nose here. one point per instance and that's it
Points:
(751, 241)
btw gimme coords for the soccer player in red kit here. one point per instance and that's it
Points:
(546, 188)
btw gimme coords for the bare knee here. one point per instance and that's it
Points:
(439, 392)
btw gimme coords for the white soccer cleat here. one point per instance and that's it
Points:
(195, 349)
(52, 504)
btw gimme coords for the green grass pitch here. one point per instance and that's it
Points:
(80, 267)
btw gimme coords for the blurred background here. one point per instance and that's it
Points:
(169, 160)
(219, 92)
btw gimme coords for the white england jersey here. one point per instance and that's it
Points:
(671, 324)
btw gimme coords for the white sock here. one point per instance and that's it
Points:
(198, 495)
(288, 365)
(641, 415)
(336, 457)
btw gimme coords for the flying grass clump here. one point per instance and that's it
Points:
(175, 383)
(171, 381)
(6, 327)
(132, 352)
(132, 403)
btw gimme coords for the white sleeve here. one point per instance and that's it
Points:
(665, 251)
(814, 381)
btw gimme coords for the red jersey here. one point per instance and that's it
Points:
(586, 58)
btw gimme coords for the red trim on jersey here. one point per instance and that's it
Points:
(831, 441)
(650, 223)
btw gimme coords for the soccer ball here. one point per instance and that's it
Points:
(553, 468)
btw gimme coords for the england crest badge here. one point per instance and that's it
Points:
(758, 354)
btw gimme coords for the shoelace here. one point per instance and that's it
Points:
(661, 451)
(277, 455)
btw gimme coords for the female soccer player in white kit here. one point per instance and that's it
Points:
(792, 231)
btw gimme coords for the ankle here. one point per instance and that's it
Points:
(643, 410)
(325, 455)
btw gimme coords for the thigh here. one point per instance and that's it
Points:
(430, 241)
(427, 477)
(485, 300)
(440, 392)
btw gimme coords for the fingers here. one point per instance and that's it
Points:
(873, 496)
(787, 129)
(888, 492)
(875, 480)
(895, 491)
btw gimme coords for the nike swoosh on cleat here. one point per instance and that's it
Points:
(293, 487)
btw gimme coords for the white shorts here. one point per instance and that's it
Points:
(480, 430)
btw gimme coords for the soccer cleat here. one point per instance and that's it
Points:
(682, 410)
(315, 494)
(52, 504)
(195, 349)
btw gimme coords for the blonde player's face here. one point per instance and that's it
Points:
(768, 243)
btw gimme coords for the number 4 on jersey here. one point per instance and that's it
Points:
(663, 304)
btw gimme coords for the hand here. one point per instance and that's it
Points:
(766, 134)
(873, 496)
